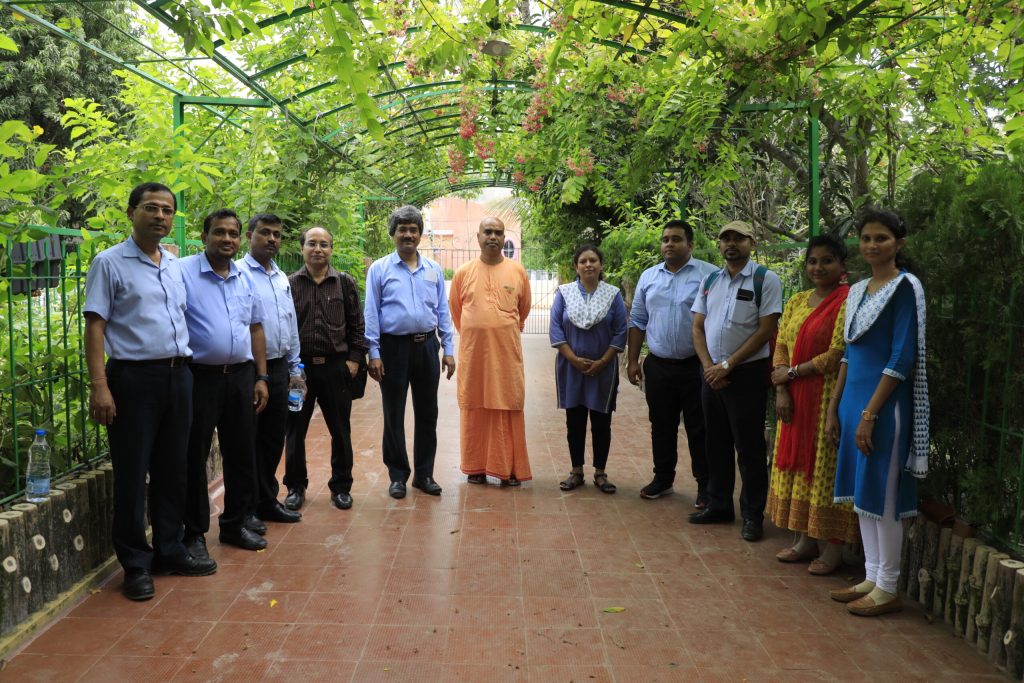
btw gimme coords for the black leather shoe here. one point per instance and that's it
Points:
(138, 585)
(275, 512)
(255, 524)
(752, 530)
(189, 565)
(656, 489)
(342, 501)
(396, 490)
(196, 547)
(427, 485)
(709, 516)
(242, 538)
(295, 499)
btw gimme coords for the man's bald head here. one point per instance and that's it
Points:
(492, 221)
(491, 237)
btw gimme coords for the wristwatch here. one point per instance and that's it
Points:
(725, 364)
(265, 378)
(792, 373)
(868, 416)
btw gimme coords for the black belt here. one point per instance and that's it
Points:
(416, 338)
(275, 361)
(225, 369)
(323, 360)
(173, 362)
(674, 361)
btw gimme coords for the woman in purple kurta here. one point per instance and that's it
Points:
(588, 327)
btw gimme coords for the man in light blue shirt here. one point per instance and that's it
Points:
(671, 371)
(281, 331)
(735, 316)
(406, 307)
(229, 366)
(135, 308)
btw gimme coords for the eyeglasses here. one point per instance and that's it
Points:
(153, 210)
(322, 245)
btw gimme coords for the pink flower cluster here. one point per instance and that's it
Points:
(519, 177)
(412, 67)
(536, 112)
(559, 22)
(467, 120)
(535, 186)
(584, 166)
(520, 158)
(456, 162)
(616, 95)
(484, 149)
(396, 11)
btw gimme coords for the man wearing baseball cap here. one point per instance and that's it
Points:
(735, 315)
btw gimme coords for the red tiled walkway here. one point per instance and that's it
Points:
(489, 584)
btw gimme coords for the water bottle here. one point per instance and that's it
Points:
(296, 395)
(37, 474)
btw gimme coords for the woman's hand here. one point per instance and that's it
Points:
(582, 365)
(780, 376)
(783, 404)
(832, 425)
(863, 437)
(596, 367)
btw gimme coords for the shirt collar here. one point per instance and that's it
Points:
(256, 265)
(396, 260)
(331, 272)
(205, 267)
(690, 263)
(132, 250)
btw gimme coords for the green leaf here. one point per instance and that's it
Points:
(7, 43)
(613, 610)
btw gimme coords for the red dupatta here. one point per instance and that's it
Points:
(798, 439)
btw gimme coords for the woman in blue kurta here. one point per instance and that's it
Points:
(588, 327)
(879, 410)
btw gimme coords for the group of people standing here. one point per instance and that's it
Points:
(847, 364)
(179, 348)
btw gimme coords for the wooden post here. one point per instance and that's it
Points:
(926, 574)
(93, 525)
(1013, 641)
(963, 591)
(58, 541)
(940, 571)
(956, 548)
(14, 608)
(989, 596)
(976, 584)
(35, 555)
(915, 555)
(107, 471)
(76, 509)
(1001, 610)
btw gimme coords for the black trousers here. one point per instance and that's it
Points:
(326, 384)
(148, 436)
(673, 387)
(408, 363)
(576, 434)
(270, 430)
(735, 423)
(221, 401)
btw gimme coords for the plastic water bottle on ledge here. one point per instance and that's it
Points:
(37, 474)
(296, 395)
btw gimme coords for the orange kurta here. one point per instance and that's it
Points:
(489, 305)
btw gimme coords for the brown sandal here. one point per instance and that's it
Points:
(602, 483)
(477, 478)
(575, 479)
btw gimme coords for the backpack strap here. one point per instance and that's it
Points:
(709, 281)
(759, 274)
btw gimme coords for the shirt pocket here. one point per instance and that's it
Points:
(428, 292)
(507, 298)
(240, 308)
(744, 313)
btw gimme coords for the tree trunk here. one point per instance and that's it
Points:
(989, 599)
(35, 561)
(76, 509)
(1002, 610)
(107, 472)
(59, 544)
(976, 583)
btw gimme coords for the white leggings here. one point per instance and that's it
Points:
(883, 538)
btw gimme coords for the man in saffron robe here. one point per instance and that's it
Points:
(489, 302)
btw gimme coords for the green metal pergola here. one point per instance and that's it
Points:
(411, 109)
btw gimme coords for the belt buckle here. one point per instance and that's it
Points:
(226, 369)
(319, 360)
(419, 337)
(176, 361)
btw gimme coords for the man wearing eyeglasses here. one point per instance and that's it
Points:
(135, 312)
(332, 348)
